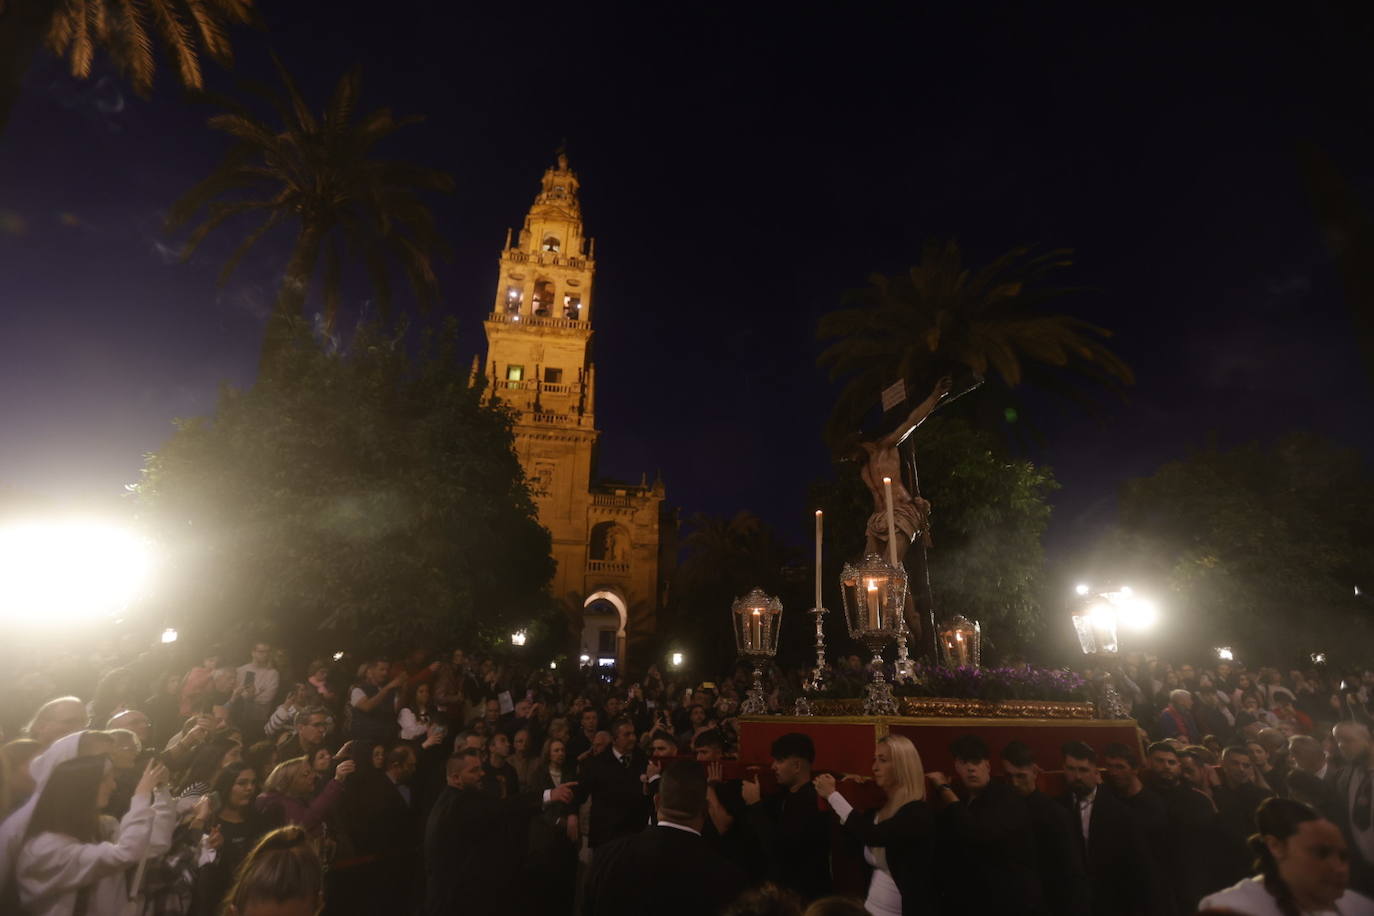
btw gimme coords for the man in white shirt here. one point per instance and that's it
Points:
(1120, 869)
(256, 688)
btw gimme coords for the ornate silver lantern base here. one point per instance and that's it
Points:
(1110, 705)
(755, 703)
(878, 698)
(802, 706)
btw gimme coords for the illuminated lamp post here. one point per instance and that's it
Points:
(756, 618)
(1095, 623)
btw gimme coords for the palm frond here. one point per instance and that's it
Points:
(178, 40)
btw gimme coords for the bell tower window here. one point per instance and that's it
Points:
(551, 243)
(512, 299)
(515, 373)
(553, 376)
(572, 307)
(543, 297)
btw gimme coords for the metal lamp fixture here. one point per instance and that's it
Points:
(874, 594)
(961, 642)
(756, 618)
(1095, 624)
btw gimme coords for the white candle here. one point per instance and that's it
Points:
(891, 527)
(873, 621)
(818, 558)
(756, 630)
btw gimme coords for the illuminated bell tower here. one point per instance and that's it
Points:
(539, 335)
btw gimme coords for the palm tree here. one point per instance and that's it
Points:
(75, 28)
(940, 317)
(318, 175)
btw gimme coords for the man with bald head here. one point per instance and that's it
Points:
(134, 721)
(55, 719)
(1353, 788)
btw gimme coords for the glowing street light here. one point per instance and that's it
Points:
(1081, 588)
(518, 638)
(584, 658)
(553, 666)
(65, 573)
(169, 636)
(338, 656)
(1225, 654)
(676, 659)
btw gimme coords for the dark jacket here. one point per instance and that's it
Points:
(1063, 871)
(908, 840)
(1120, 877)
(662, 870)
(986, 856)
(619, 805)
(1340, 779)
(1191, 869)
(471, 857)
(794, 835)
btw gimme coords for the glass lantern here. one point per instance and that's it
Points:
(1096, 629)
(757, 619)
(961, 642)
(874, 594)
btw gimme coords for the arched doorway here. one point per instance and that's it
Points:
(603, 629)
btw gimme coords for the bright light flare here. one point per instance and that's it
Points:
(1081, 588)
(338, 656)
(169, 636)
(518, 638)
(61, 573)
(1225, 654)
(1136, 613)
(677, 659)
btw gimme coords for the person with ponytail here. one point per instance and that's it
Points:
(898, 838)
(1303, 865)
(282, 876)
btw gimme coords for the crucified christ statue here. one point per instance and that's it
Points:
(880, 458)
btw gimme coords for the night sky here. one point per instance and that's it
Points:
(740, 171)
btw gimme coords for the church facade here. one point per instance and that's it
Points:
(607, 537)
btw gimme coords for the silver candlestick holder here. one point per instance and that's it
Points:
(819, 678)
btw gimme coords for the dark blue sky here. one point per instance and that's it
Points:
(740, 171)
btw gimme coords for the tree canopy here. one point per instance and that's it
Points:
(1268, 548)
(368, 495)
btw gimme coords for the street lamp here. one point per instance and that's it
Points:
(676, 659)
(169, 636)
(1095, 624)
(1225, 654)
(518, 638)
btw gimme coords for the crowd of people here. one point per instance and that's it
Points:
(447, 784)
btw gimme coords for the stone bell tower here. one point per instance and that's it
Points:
(539, 361)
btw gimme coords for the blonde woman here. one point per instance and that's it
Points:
(898, 838)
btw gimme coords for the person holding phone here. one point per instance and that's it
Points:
(256, 689)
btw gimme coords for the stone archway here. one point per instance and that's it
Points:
(604, 618)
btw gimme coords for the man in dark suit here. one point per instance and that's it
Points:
(667, 869)
(1190, 869)
(792, 832)
(470, 858)
(985, 852)
(614, 781)
(1237, 798)
(1121, 776)
(1062, 874)
(1352, 790)
(1120, 876)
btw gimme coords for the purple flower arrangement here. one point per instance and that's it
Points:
(968, 683)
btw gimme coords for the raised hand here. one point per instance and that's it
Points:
(153, 776)
(652, 769)
(713, 770)
(825, 785)
(344, 769)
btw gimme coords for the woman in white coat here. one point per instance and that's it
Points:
(76, 861)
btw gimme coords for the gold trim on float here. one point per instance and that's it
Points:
(879, 730)
(888, 721)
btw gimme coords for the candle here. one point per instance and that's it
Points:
(818, 558)
(756, 631)
(891, 527)
(873, 620)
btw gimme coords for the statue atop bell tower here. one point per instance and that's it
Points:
(539, 336)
